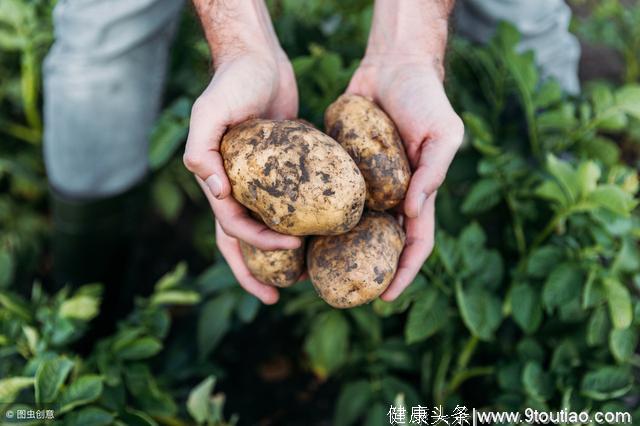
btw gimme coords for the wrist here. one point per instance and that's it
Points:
(234, 29)
(409, 32)
(375, 63)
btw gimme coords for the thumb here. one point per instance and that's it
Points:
(201, 155)
(435, 157)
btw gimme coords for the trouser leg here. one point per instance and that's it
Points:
(544, 25)
(103, 81)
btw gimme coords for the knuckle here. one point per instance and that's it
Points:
(457, 129)
(192, 161)
(199, 106)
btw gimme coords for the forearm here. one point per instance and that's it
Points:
(410, 30)
(236, 27)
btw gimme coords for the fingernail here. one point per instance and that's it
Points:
(421, 199)
(214, 184)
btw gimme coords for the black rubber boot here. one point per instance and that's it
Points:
(95, 241)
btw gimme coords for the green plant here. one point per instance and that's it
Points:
(530, 298)
(114, 383)
(535, 301)
(615, 24)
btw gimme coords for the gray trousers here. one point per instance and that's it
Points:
(104, 75)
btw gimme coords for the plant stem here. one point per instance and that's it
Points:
(24, 133)
(467, 352)
(464, 375)
(547, 230)
(518, 231)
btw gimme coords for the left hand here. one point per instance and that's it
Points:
(412, 94)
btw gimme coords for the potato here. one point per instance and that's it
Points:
(279, 268)
(354, 268)
(372, 140)
(296, 178)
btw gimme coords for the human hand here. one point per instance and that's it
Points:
(410, 91)
(255, 81)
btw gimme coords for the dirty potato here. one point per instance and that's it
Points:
(296, 178)
(279, 268)
(372, 140)
(354, 268)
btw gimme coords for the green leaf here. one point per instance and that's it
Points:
(50, 377)
(536, 381)
(627, 259)
(552, 191)
(619, 301)
(6, 268)
(628, 99)
(214, 322)
(606, 382)
(402, 302)
(448, 252)
(601, 148)
(173, 278)
(15, 305)
(480, 133)
(565, 175)
(146, 391)
(526, 307)
(82, 391)
(561, 118)
(510, 376)
(141, 348)
(549, 93)
(248, 307)
(542, 260)
(602, 98)
(132, 417)
(367, 322)
(563, 285)
(168, 198)
(427, 316)
(377, 415)
(565, 357)
(327, 344)
(612, 198)
(598, 327)
(588, 174)
(477, 127)
(89, 416)
(198, 403)
(352, 402)
(483, 195)
(10, 388)
(217, 277)
(32, 337)
(169, 133)
(80, 307)
(175, 297)
(623, 343)
(481, 311)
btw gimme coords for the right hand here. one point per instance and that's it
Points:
(248, 85)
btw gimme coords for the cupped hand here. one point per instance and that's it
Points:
(245, 86)
(412, 94)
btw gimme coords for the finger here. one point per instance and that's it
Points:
(435, 158)
(420, 235)
(230, 249)
(201, 156)
(237, 223)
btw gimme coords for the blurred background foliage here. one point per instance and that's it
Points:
(530, 298)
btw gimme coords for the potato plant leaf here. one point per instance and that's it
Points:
(50, 377)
